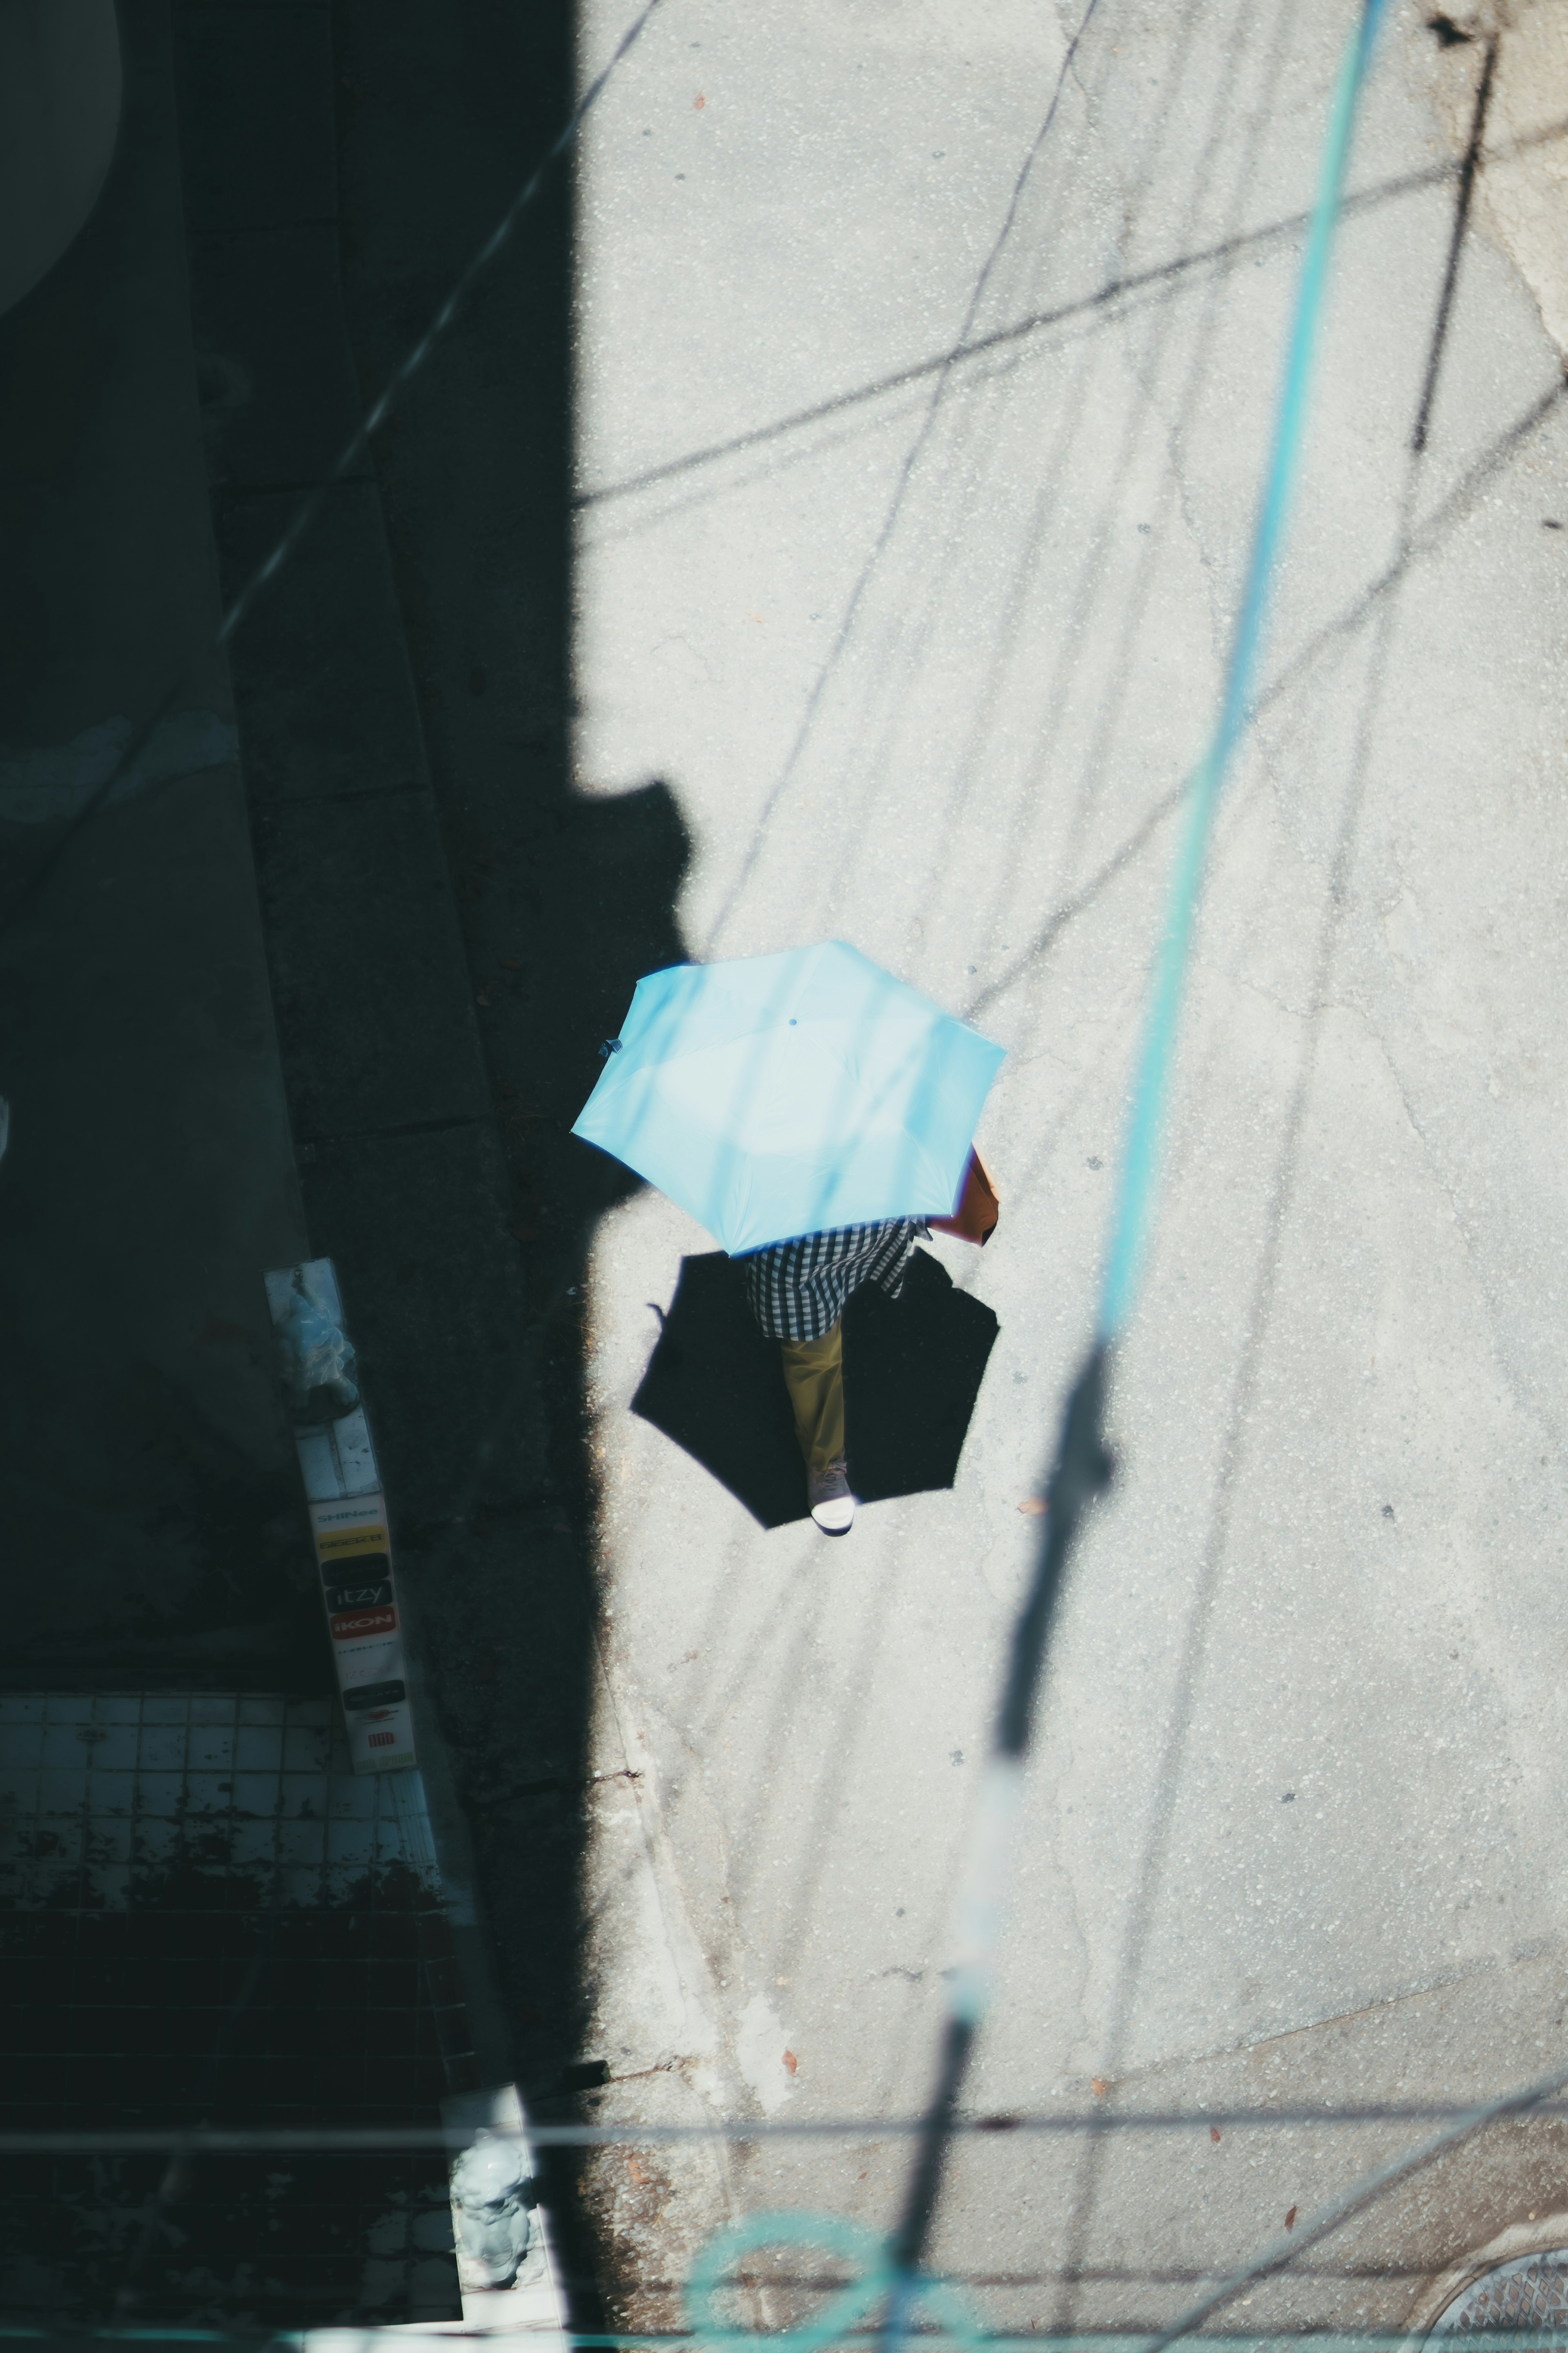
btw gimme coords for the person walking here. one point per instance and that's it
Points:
(798, 1291)
(777, 1098)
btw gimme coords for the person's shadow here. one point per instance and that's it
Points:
(912, 1369)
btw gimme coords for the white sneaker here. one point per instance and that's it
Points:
(832, 1505)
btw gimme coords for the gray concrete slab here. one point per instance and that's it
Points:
(61, 94)
(152, 1517)
(406, 1186)
(925, 658)
(280, 400)
(256, 116)
(332, 710)
(356, 893)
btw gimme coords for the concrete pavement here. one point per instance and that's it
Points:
(925, 651)
(918, 651)
(151, 1506)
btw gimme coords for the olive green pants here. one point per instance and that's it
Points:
(813, 1375)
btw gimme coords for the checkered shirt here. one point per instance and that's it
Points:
(798, 1290)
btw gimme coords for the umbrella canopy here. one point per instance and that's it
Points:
(786, 1094)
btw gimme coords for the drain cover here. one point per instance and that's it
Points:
(1531, 2292)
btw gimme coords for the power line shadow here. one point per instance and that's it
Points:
(912, 1370)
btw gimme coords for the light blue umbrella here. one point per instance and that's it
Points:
(784, 1095)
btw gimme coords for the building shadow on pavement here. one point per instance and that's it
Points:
(462, 1229)
(912, 1370)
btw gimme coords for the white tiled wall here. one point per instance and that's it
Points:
(113, 1790)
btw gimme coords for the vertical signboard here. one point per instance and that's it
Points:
(348, 1515)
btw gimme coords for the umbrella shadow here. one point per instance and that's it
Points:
(912, 1370)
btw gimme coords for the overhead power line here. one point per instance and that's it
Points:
(1044, 2340)
(1352, 2202)
(1082, 1466)
(236, 2140)
(1171, 274)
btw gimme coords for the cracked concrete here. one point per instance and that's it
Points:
(1292, 1833)
(1523, 194)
